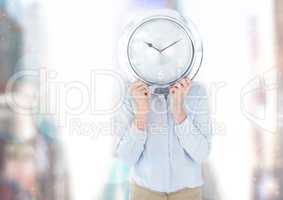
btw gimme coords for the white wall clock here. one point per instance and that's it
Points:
(161, 47)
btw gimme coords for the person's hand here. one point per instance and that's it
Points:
(141, 95)
(178, 93)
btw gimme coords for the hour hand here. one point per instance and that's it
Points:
(151, 46)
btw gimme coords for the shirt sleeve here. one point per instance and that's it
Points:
(130, 140)
(194, 133)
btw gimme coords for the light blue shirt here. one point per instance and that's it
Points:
(166, 157)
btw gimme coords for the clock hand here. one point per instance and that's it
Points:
(151, 45)
(170, 45)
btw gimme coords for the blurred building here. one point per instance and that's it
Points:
(10, 45)
(32, 161)
(278, 147)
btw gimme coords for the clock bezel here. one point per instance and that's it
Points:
(188, 60)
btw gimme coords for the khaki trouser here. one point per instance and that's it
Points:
(140, 193)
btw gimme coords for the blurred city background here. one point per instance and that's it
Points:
(49, 152)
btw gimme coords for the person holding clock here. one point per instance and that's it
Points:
(163, 125)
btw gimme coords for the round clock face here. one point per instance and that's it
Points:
(160, 51)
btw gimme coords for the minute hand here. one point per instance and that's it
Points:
(170, 45)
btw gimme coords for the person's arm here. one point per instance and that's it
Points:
(130, 127)
(194, 131)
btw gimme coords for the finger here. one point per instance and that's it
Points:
(189, 83)
(184, 82)
(134, 85)
(174, 86)
(148, 92)
(172, 90)
(178, 85)
(141, 91)
(144, 90)
(188, 80)
(137, 84)
(142, 87)
(138, 88)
